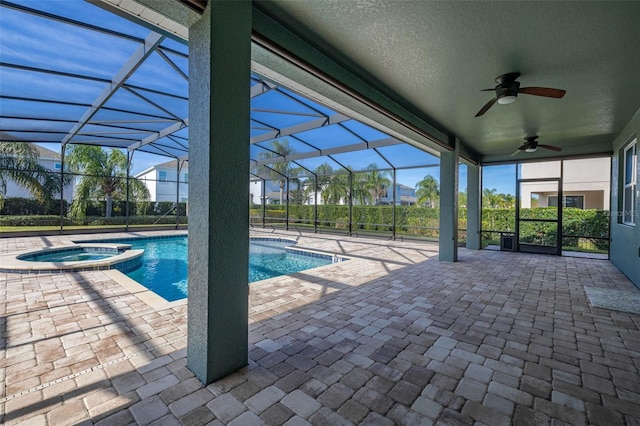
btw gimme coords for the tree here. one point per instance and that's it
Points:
(323, 174)
(489, 198)
(19, 162)
(375, 182)
(283, 169)
(509, 201)
(337, 190)
(103, 176)
(428, 192)
(462, 199)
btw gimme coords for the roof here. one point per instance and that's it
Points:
(169, 165)
(72, 92)
(46, 153)
(436, 58)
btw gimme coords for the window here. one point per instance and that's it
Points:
(630, 171)
(162, 176)
(57, 166)
(186, 178)
(576, 201)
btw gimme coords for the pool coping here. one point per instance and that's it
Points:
(11, 262)
(158, 302)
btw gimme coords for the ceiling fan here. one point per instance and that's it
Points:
(531, 145)
(508, 88)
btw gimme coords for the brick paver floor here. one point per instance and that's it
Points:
(392, 336)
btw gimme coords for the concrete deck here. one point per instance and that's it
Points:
(392, 336)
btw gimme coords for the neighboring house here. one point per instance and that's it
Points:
(162, 182)
(405, 196)
(271, 196)
(50, 160)
(586, 184)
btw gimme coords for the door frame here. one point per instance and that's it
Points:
(536, 248)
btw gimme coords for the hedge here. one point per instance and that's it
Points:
(425, 221)
(412, 220)
(16, 206)
(49, 220)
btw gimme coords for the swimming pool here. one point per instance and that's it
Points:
(164, 270)
(79, 254)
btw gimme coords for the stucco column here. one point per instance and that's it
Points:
(474, 218)
(448, 241)
(219, 74)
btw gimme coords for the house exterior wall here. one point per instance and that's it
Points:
(589, 177)
(255, 192)
(625, 239)
(53, 164)
(271, 195)
(165, 190)
(405, 195)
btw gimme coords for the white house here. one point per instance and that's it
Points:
(585, 184)
(271, 195)
(405, 196)
(50, 160)
(163, 183)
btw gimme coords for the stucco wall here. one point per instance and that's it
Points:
(625, 239)
(14, 190)
(589, 177)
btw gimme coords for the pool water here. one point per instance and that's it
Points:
(164, 270)
(268, 259)
(75, 257)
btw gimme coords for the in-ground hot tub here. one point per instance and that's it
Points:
(73, 258)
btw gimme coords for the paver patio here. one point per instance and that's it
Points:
(392, 336)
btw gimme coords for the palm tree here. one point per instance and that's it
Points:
(19, 162)
(283, 169)
(489, 198)
(337, 190)
(375, 183)
(509, 201)
(428, 192)
(103, 175)
(323, 175)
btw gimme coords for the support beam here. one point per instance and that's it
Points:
(448, 241)
(62, 189)
(219, 97)
(159, 135)
(379, 143)
(474, 208)
(302, 127)
(151, 43)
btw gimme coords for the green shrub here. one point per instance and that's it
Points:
(18, 206)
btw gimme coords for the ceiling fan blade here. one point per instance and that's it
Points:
(547, 92)
(488, 90)
(486, 107)
(516, 152)
(551, 147)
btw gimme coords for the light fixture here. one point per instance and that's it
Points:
(531, 149)
(506, 100)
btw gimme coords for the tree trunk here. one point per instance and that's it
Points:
(109, 206)
(281, 192)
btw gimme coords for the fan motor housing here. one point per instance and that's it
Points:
(507, 89)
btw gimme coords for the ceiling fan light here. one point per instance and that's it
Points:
(506, 100)
(531, 149)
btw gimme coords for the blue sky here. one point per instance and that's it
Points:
(76, 50)
(502, 178)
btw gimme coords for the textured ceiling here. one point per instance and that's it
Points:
(434, 57)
